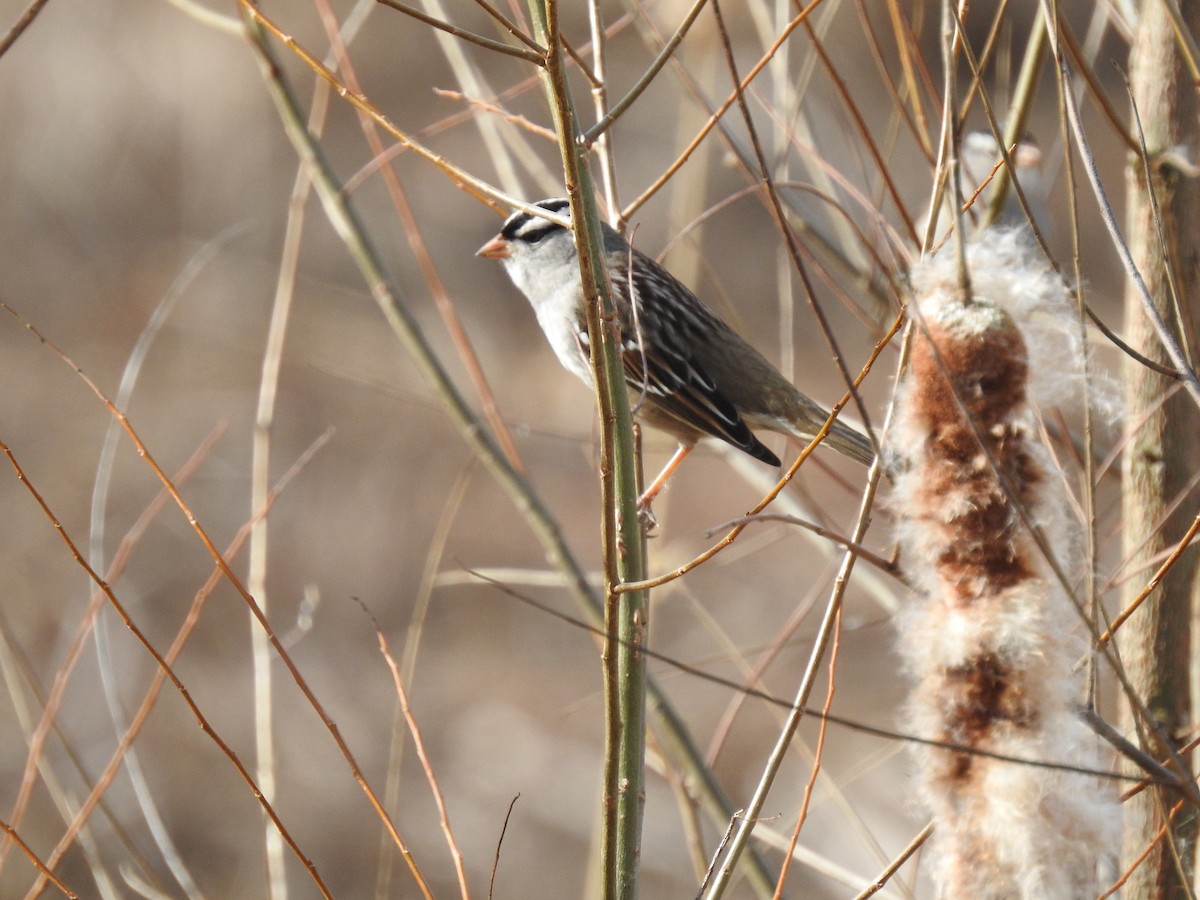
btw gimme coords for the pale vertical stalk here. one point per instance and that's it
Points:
(260, 486)
(953, 132)
(1157, 641)
(746, 820)
(16, 675)
(781, 88)
(1088, 478)
(100, 493)
(260, 468)
(502, 150)
(408, 664)
(603, 146)
(795, 83)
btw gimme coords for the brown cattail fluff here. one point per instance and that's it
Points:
(990, 637)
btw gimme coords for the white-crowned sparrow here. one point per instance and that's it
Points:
(979, 157)
(692, 374)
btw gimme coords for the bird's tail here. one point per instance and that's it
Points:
(850, 442)
(810, 418)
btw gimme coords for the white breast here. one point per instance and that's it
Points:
(562, 331)
(555, 295)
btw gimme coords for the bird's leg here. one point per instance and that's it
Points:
(660, 482)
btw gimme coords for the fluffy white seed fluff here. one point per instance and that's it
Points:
(990, 636)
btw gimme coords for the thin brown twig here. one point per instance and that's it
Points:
(24, 21)
(798, 707)
(422, 755)
(864, 132)
(201, 719)
(887, 566)
(1170, 345)
(708, 126)
(1094, 87)
(1018, 113)
(1133, 427)
(499, 844)
(754, 673)
(776, 207)
(865, 204)
(989, 43)
(829, 624)
(969, 202)
(783, 482)
(511, 27)
(639, 87)
(11, 834)
(536, 56)
(1153, 583)
(1150, 779)
(580, 62)
(1006, 174)
(845, 722)
(1154, 842)
(455, 119)
(134, 727)
(688, 810)
(23, 677)
(1154, 559)
(598, 78)
(483, 106)
(907, 47)
(476, 187)
(751, 675)
(415, 631)
(813, 236)
(720, 850)
(818, 752)
(74, 651)
(886, 875)
(1119, 342)
(1132, 558)
(890, 83)
(429, 272)
(237, 585)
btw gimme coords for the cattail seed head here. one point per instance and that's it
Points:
(991, 636)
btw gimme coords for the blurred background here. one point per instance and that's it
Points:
(145, 200)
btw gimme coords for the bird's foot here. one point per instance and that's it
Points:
(646, 517)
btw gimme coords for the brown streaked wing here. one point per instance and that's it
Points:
(669, 373)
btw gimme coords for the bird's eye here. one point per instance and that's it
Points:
(536, 236)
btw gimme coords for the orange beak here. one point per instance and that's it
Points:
(496, 248)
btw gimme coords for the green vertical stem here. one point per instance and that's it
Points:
(625, 614)
(672, 731)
